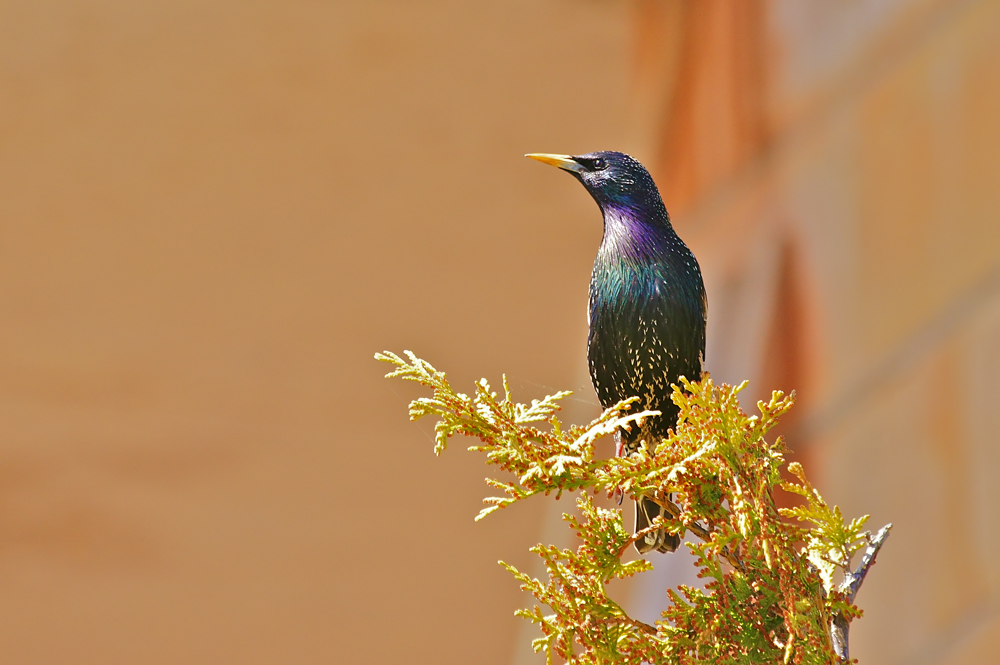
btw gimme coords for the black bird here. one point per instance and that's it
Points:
(647, 306)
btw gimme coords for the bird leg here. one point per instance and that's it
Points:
(646, 513)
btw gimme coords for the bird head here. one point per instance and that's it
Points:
(615, 180)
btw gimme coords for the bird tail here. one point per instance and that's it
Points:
(646, 510)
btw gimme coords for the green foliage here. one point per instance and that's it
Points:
(770, 593)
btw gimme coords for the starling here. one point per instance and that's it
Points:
(647, 307)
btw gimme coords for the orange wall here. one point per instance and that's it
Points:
(851, 246)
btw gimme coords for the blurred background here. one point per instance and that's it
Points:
(213, 213)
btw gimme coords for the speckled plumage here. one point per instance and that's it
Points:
(647, 306)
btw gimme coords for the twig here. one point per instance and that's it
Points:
(698, 530)
(639, 625)
(839, 625)
(655, 526)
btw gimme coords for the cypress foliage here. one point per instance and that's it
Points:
(780, 586)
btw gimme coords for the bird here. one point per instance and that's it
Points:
(647, 309)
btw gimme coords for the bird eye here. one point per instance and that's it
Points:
(600, 164)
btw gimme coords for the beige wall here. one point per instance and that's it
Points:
(212, 214)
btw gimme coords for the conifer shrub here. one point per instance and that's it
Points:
(779, 582)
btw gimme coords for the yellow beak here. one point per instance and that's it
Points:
(565, 162)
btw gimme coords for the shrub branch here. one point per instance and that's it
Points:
(778, 583)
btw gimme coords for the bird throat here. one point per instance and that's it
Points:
(630, 242)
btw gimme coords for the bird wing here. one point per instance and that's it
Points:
(642, 340)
